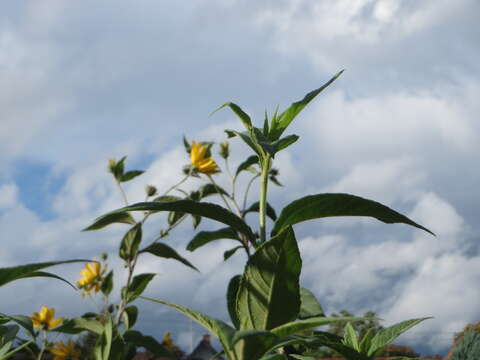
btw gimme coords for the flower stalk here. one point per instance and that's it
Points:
(266, 165)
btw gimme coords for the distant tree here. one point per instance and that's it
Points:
(398, 350)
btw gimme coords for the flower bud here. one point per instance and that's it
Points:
(112, 164)
(224, 149)
(150, 190)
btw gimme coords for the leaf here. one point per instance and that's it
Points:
(335, 342)
(208, 210)
(79, 324)
(366, 341)
(119, 168)
(328, 205)
(187, 145)
(130, 243)
(227, 254)
(269, 293)
(147, 342)
(239, 112)
(255, 207)
(164, 251)
(9, 274)
(387, 335)
(107, 284)
(247, 139)
(280, 123)
(350, 338)
(210, 189)
(138, 285)
(252, 344)
(232, 291)
(129, 175)
(105, 220)
(296, 326)
(310, 307)
(251, 160)
(104, 343)
(220, 329)
(205, 237)
(131, 315)
(275, 357)
(284, 142)
(167, 198)
(301, 357)
(49, 275)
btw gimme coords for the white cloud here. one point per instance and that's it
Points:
(8, 195)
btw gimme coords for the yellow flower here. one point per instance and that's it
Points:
(64, 351)
(92, 277)
(203, 164)
(44, 318)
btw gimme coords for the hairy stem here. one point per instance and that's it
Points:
(266, 164)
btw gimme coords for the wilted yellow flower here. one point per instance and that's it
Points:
(44, 318)
(92, 277)
(64, 351)
(203, 164)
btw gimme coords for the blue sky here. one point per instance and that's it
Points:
(83, 82)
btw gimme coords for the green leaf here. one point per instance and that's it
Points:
(49, 275)
(251, 160)
(255, 207)
(129, 175)
(131, 315)
(269, 293)
(284, 142)
(247, 139)
(296, 326)
(275, 357)
(104, 342)
(232, 291)
(22, 320)
(79, 324)
(107, 284)
(119, 168)
(205, 237)
(8, 333)
(265, 124)
(228, 254)
(130, 243)
(105, 220)
(164, 251)
(208, 210)
(328, 205)
(138, 285)
(239, 112)
(387, 335)
(350, 338)
(210, 189)
(220, 329)
(335, 342)
(147, 342)
(310, 307)
(13, 273)
(280, 123)
(366, 341)
(252, 344)
(301, 357)
(167, 198)
(186, 144)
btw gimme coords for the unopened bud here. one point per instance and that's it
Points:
(224, 149)
(112, 164)
(150, 190)
(104, 256)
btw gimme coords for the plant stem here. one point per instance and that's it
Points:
(179, 183)
(122, 192)
(245, 197)
(219, 192)
(44, 344)
(266, 164)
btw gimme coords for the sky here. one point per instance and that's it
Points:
(83, 82)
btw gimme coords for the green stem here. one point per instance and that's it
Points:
(44, 344)
(124, 195)
(266, 164)
(18, 348)
(219, 192)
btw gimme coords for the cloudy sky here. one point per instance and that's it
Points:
(82, 82)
